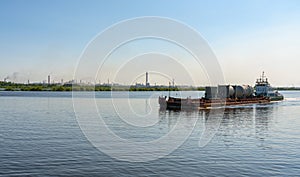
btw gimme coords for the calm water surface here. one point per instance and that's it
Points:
(40, 136)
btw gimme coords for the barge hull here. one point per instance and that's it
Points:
(178, 103)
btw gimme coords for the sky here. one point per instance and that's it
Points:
(47, 37)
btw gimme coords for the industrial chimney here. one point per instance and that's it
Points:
(147, 81)
(49, 80)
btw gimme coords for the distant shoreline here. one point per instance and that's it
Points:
(8, 86)
(121, 90)
(108, 90)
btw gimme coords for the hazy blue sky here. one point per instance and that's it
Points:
(47, 37)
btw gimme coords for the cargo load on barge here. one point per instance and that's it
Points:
(226, 95)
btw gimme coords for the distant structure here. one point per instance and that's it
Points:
(49, 81)
(173, 83)
(147, 81)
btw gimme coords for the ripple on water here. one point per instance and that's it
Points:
(40, 136)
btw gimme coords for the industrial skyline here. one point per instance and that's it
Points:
(80, 81)
(247, 37)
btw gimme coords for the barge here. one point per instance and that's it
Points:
(225, 95)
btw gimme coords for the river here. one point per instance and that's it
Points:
(42, 134)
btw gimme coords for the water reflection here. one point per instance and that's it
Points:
(231, 124)
(172, 117)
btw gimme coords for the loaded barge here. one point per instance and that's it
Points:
(225, 95)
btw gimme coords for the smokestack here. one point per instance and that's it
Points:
(49, 80)
(147, 81)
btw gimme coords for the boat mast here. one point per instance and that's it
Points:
(169, 88)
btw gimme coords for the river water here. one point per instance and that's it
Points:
(41, 134)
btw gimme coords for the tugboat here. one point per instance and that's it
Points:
(225, 95)
(263, 88)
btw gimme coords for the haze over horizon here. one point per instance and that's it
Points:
(39, 38)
